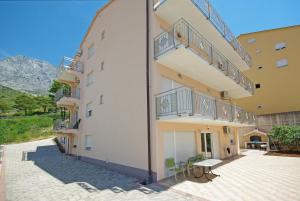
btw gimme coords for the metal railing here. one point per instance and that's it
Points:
(212, 15)
(60, 124)
(184, 101)
(183, 34)
(67, 92)
(70, 64)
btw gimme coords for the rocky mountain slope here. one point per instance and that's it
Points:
(27, 74)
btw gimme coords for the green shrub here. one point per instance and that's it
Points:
(287, 136)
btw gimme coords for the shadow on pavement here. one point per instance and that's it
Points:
(90, 177)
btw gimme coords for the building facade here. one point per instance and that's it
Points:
(154, 80)
(275, 73)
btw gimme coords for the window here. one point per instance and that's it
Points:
(257, 86)
(63, 140)
(90, 78)
(89, 109)
(259, 67)
(102, 66)
(280, 46)
(91, 51)
(102, 35)
(88, 142)
(251, 40)
(101, 99)
(282, 63)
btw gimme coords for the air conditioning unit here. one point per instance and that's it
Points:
(224, 95)
(226, 130)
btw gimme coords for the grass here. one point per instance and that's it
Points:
(24, 129)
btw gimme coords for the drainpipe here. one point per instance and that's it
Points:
(150, 178)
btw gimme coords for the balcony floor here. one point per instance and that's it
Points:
(68, 131)
(185, 61)
(201, 120)
(68, 102)
(173, 10)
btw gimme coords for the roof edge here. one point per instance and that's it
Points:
(94, 19)
(266, 30)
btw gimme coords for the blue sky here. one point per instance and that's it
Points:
(49, 30)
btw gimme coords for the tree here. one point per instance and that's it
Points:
(4, 107)
(287, 135)
(44, 102)
(55, 87)
(25, 103)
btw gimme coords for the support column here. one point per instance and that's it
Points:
(237, 139)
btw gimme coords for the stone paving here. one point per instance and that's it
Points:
(254, 176)
(36, 171)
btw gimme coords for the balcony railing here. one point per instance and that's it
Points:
(212, 15)
(70, 64)
(66, 92)
(183, 34)
(184, 101)
(60, 124)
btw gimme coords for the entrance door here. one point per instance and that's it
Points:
(68, 145)
(207, 145)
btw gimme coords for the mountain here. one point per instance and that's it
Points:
(27, 74)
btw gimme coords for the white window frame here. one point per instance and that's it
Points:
(88, 142)
(101, 100)
(103, 35)
(102, 66)
(89, 110)
(282, 63)
(91, 50)
(258, 51)
(90, 78)
(280, 46)
(251, 40)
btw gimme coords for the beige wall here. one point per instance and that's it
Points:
(118, 127)
(279, 86)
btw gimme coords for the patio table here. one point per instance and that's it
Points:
(208, 163)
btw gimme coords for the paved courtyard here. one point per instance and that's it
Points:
(37, 171)
(254, 176)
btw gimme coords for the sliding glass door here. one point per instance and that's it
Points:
(206, 145)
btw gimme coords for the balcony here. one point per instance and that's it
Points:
(185, 50)
(183, 105)
(69, 70)
(66, 126)
(208, 22)
(65, 97)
